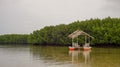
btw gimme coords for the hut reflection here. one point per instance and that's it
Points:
(80, 58)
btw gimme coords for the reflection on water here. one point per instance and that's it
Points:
(51, 55)
(38, 56)
(78, 56)
(62, 57)
(86, 55)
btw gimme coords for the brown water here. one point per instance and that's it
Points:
(38, 56)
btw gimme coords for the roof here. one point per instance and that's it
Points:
(77, 33)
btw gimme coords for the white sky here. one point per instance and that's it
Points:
(24, 16)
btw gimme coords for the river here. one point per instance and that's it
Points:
(48, 56)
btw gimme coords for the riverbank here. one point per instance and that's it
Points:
(58, 45)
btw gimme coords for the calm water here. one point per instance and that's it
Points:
(37, 56)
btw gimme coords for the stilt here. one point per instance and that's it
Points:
(72, 42)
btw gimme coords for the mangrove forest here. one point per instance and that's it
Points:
(105, 32)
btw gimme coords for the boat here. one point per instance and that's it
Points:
(86, 48)
(73, 48)
(81, 48)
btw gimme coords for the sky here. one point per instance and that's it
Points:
(25, 16)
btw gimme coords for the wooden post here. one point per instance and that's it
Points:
(72, 42)
(85, 39)
(89, 41)
(77, 41)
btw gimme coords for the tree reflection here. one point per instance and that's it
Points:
(62, 57)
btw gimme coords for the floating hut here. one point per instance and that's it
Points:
(75, 45)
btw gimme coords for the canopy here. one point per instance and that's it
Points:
(77, 33)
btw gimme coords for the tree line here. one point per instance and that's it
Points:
(105, 31)
(14, 39)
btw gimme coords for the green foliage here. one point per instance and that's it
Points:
(105, 31)
(13, 39)
(50, 35)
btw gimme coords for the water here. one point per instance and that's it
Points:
(38, 56)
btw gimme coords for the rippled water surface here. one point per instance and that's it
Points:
(38, 56)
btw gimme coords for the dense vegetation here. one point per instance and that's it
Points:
(104, 31)
(13, 39)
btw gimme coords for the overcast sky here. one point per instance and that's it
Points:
(24, 16)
